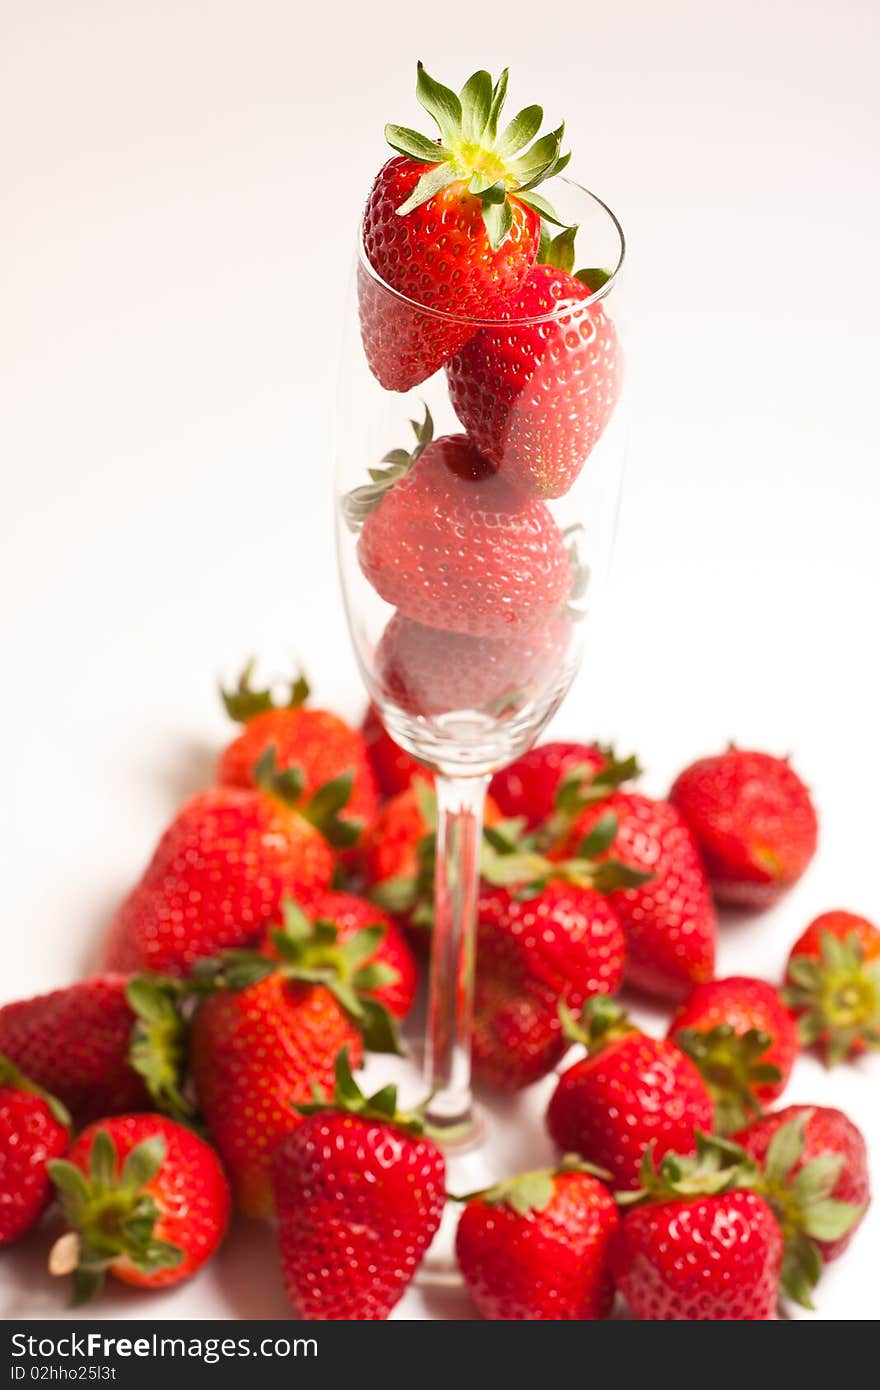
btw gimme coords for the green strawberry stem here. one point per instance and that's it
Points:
(348, 1096)
(244, 702)
(111, 1213)
(311, 953)
(837, 997)
(731, 1066)
(470, 150)
(11, 1076)
(602, 1021)
(718, 1165)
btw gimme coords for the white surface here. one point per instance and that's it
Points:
(175, 256)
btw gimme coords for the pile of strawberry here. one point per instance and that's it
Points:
(274, 937)
(464, 272)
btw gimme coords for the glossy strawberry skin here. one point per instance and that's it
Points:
(753, 820)
(393, 768)
(320, 744)
(437, 256)
(454, 548)
(827, 1131)
(30, 1135)
(254, 1055)
(565, 944)
(190, 1190)
(535, 397)
(74, 1042)
(634, 1092)
(744, 1003)
(529, 785)
(358, 1204)
(427, 676)
(352, 914)
(216, 880)
(669, 920)
(548, 1265)
(707, 1259)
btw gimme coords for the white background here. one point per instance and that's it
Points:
(179, 187)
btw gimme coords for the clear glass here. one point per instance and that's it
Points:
(468, 597)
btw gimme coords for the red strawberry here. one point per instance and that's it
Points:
(217, 878)
(562, 942)
(699, 1252)
(448, 227)
(529, 787)
(454, 547)
(744, 1041)
(814, 1168)
(328, 774)
(427, 677)
(833, 985)
(535, 397)
(629, 1095)
(271, 1032)
(34, 1128)
(350, 915)
(753, 820)
(359, 1194)
(536, 1247)
(393, 767)
(101, 1046)
(146, 1200)
(669, 919)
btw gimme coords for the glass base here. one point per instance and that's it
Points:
(468, 1169)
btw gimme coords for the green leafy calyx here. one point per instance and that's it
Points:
(470, 150)
(732, 1067)
(322, 809)
(837, 997)
(348, 1096)
(111, 1214)
(602, 1021)
(312, 953)
(158, 1045)
(527, 1193)
(358, 503)
(245, 702)
(718, 1165)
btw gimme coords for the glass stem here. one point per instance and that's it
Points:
(450, 998)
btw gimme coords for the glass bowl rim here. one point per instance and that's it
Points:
(563, 310)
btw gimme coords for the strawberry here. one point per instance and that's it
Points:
(451, 546)
(753, 820)
(34, 1128)
(499, 675)
(328, 774)
(833, 984)
(561, 942)
(536, 1247)
(398, 858)
(218, 876)
(814, 1171)
(350, 915)
(360, 1194)
(146, 1201)
(269, 1031)
(630, 1094)
(669, 919)
(102, 1046)
(700, 1249)
(451, 226)
(393, 768)
(529, 787)
(744, 1041)
(535, 396)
